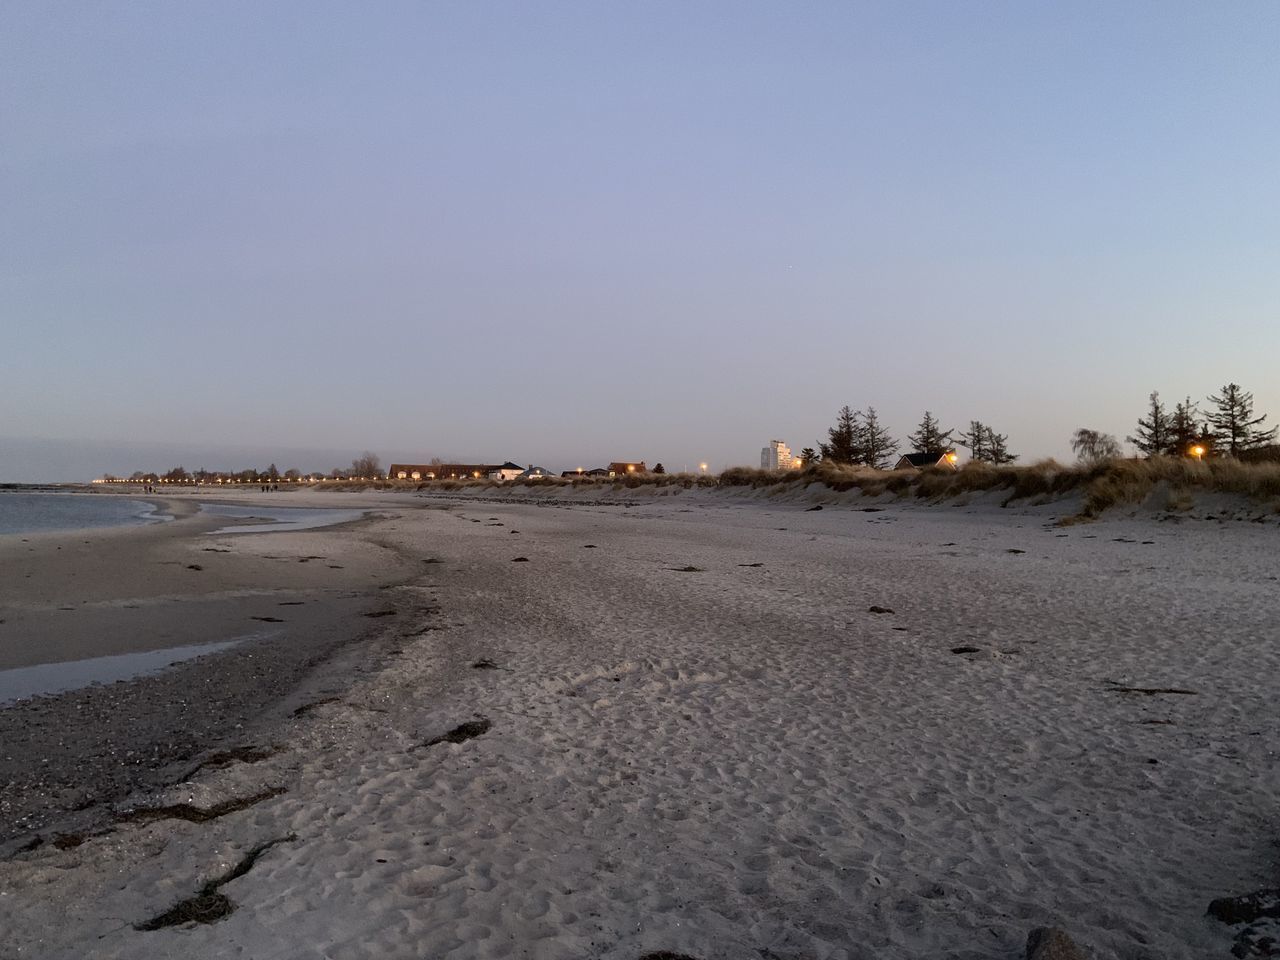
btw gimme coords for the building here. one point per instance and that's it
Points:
(508, 471)
(922, 461)
(444, 471)
(454, 471)
(535, 473)
(594, 472)
(619, 467)
(777, 456)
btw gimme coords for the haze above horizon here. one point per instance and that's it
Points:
(662, 231)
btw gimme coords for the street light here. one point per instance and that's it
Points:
(702, 467)
(1198, 452)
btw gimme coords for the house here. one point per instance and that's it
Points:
(922, 461)
(595, 472)
(445, 471)
(508, 471)
(535, 473)
(619, 467)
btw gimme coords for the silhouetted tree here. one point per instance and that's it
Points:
(808, 456)
(1184, 432)
(985, 445)
(930, 437)
(272, 473)
(997, 448)
(876, 447)
(366, 465)
(659, 469)
(1235, 428)
(1092, 446)
(844, 439)
(977, 441)
(1154, 435)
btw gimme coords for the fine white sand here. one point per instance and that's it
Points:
(738, 761)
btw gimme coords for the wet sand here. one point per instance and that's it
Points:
(94, 602)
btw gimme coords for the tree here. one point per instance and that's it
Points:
(1092, 446)
(977, 441)
(273, 473)
(293, 473)
(877, 447)
(930, 437)
(366, 465)
(1154, 435)
(845, 438)
(659, 469)
(1184, 432)
(1235, 429)
(997, 449)
(808, 456)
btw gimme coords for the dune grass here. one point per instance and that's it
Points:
(1101, 486)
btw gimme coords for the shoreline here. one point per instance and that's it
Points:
(101, 595)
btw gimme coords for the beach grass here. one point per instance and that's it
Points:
(1174, 481)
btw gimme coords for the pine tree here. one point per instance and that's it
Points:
(1154, 435)
(877, 447)
(1235, 428)
(976, 441)
(1184, 432)
(808, 456)
(997, 448)
(845, 438)
(930, 437)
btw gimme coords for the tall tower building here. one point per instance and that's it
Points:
(776, 456)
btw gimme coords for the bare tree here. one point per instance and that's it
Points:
(1092, 446)
(366, 465)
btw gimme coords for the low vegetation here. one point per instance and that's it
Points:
(1163, 483)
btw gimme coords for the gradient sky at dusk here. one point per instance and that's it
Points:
(566, 233)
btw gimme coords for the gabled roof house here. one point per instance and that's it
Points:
(922, 461)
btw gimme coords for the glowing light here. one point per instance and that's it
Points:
(1198, 452)
(952, 458)
(702, 467)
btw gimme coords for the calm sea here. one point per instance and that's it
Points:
(22, 512)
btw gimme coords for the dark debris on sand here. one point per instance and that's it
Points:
(208, 905)
(462, 732)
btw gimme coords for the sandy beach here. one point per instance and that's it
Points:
(722, 727)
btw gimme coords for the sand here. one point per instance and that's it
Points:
(702, 740)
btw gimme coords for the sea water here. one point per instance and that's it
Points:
(26, 512)
(45, 679)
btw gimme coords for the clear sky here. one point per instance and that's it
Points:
(566, 233)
